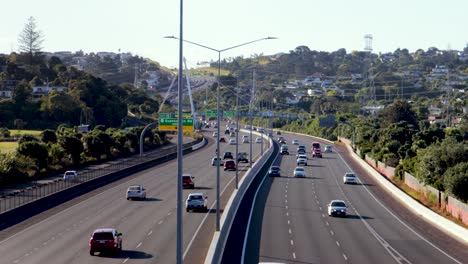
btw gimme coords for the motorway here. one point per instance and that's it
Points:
(148, 227)
(297, 229)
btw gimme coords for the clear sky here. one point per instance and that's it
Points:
(138, 26)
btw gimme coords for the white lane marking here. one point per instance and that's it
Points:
(323, 215)
(204, 219)
(125, 261)
(345, 257)
(294, 255)
(289, 222)
(16, 261)
(139, 245)
(169, 213)
(290, 232)
(285, 196)
(286, 200)
(160, 222)
(337, 243)
(287, 214)
(332, 233)
(150, 232)
(320, 208)
(286, 207)
(292, 242)
(326, 222)
(397, 218)
(286, 191)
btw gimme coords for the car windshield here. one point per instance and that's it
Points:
(350, 175)
(338, 204)
(186, 177)
(302, 157)
(275, 168)
(134, 188)
(299, 169)
(196, 197)
(103, 235)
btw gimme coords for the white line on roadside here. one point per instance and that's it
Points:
(290, 232)
(125, 261)
(150, 232)
(160, 222)
(294, 255)
(337, 243)
(139, 245)
(344, 256)
(332, 233)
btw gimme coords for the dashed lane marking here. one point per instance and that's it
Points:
(139, 245)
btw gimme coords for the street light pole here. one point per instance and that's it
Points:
(180, 139)
(237, 138)
(217, 108)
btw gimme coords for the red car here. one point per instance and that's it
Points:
(316, 153)
(105, 240)
(188, 181)
(229, 165)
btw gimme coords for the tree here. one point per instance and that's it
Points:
(30, 40)
(456, 181)
(72, 146)
(48, 136)
(35, 150)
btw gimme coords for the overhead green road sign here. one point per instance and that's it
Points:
(165, 115)
(211, 113)
(170, 124)
(229, 113)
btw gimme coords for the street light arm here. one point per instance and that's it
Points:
(194, 43)
(246, 43)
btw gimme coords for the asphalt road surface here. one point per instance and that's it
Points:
(148, 227)
(296, 227)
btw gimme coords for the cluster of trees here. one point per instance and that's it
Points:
(66, 148)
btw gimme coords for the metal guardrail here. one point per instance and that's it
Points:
(11, 199)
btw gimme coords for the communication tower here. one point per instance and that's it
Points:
(370, 75)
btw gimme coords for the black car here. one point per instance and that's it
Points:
(227, 155)
(274, 171)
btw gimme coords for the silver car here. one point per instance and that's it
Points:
(349, 177)
(196, 201)
(337, 208)
(136, 192)
(301, 160)
(299, 172)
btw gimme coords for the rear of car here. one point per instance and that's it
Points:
(196, 201)
(316, 153)
(229, 165)
(105, 240)
(216, 162)
(328, 149)
(242, 157)
(315, 145)
(136, 192)
(232, 142)
(258, 140)
(349, 178)
(284, 150)
(188, 181)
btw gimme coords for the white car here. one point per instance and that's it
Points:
(327, 149)
(295, 141)
(245, 140)
(215, 134)
(196, 201)
(337, 208)
(214, 161)
(258, 140)
(299, 172)
(70, 175)
(232, 142)
(136, 192)
(349, 177)
(301, 160)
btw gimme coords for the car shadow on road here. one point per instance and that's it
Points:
(365, 184)
(213, 211)
(130, 254)
(350, 216)
(152, 199)
(202, 188)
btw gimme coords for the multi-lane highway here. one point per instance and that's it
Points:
(148, 227)
(297, 229)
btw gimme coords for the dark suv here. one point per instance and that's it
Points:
(105, 239)
(187, 181)
(228, 155)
